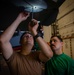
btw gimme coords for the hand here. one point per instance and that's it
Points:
(23, 16)
(33, 28)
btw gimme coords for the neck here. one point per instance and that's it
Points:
(26, 50)
(58, 52)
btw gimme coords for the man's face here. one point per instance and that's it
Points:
(55, 44)
(27, 39)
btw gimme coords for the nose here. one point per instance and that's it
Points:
(52, 42)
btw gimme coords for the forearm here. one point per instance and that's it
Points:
(45, 48)
(42, 44)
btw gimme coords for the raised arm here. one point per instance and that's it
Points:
(8, 33)
(45, 48)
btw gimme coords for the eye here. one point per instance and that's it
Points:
(55, 40)
(25, 36)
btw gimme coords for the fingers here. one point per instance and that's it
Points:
(28, 14)
(35, 21)
(25, 14)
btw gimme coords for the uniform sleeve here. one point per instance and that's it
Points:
(72, 68)
(11, 58)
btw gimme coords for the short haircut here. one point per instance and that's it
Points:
(24, 34)
(59, 37)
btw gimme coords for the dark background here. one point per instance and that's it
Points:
(9, 11)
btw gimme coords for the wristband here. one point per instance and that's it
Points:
(36, 36)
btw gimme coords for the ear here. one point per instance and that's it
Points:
(62, 43)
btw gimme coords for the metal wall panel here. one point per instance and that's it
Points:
(66, 47)
(72, 45)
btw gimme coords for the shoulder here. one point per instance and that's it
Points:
(67, 57)
(13, 57)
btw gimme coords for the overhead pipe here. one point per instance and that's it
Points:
(69, 24)
(65, 14)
